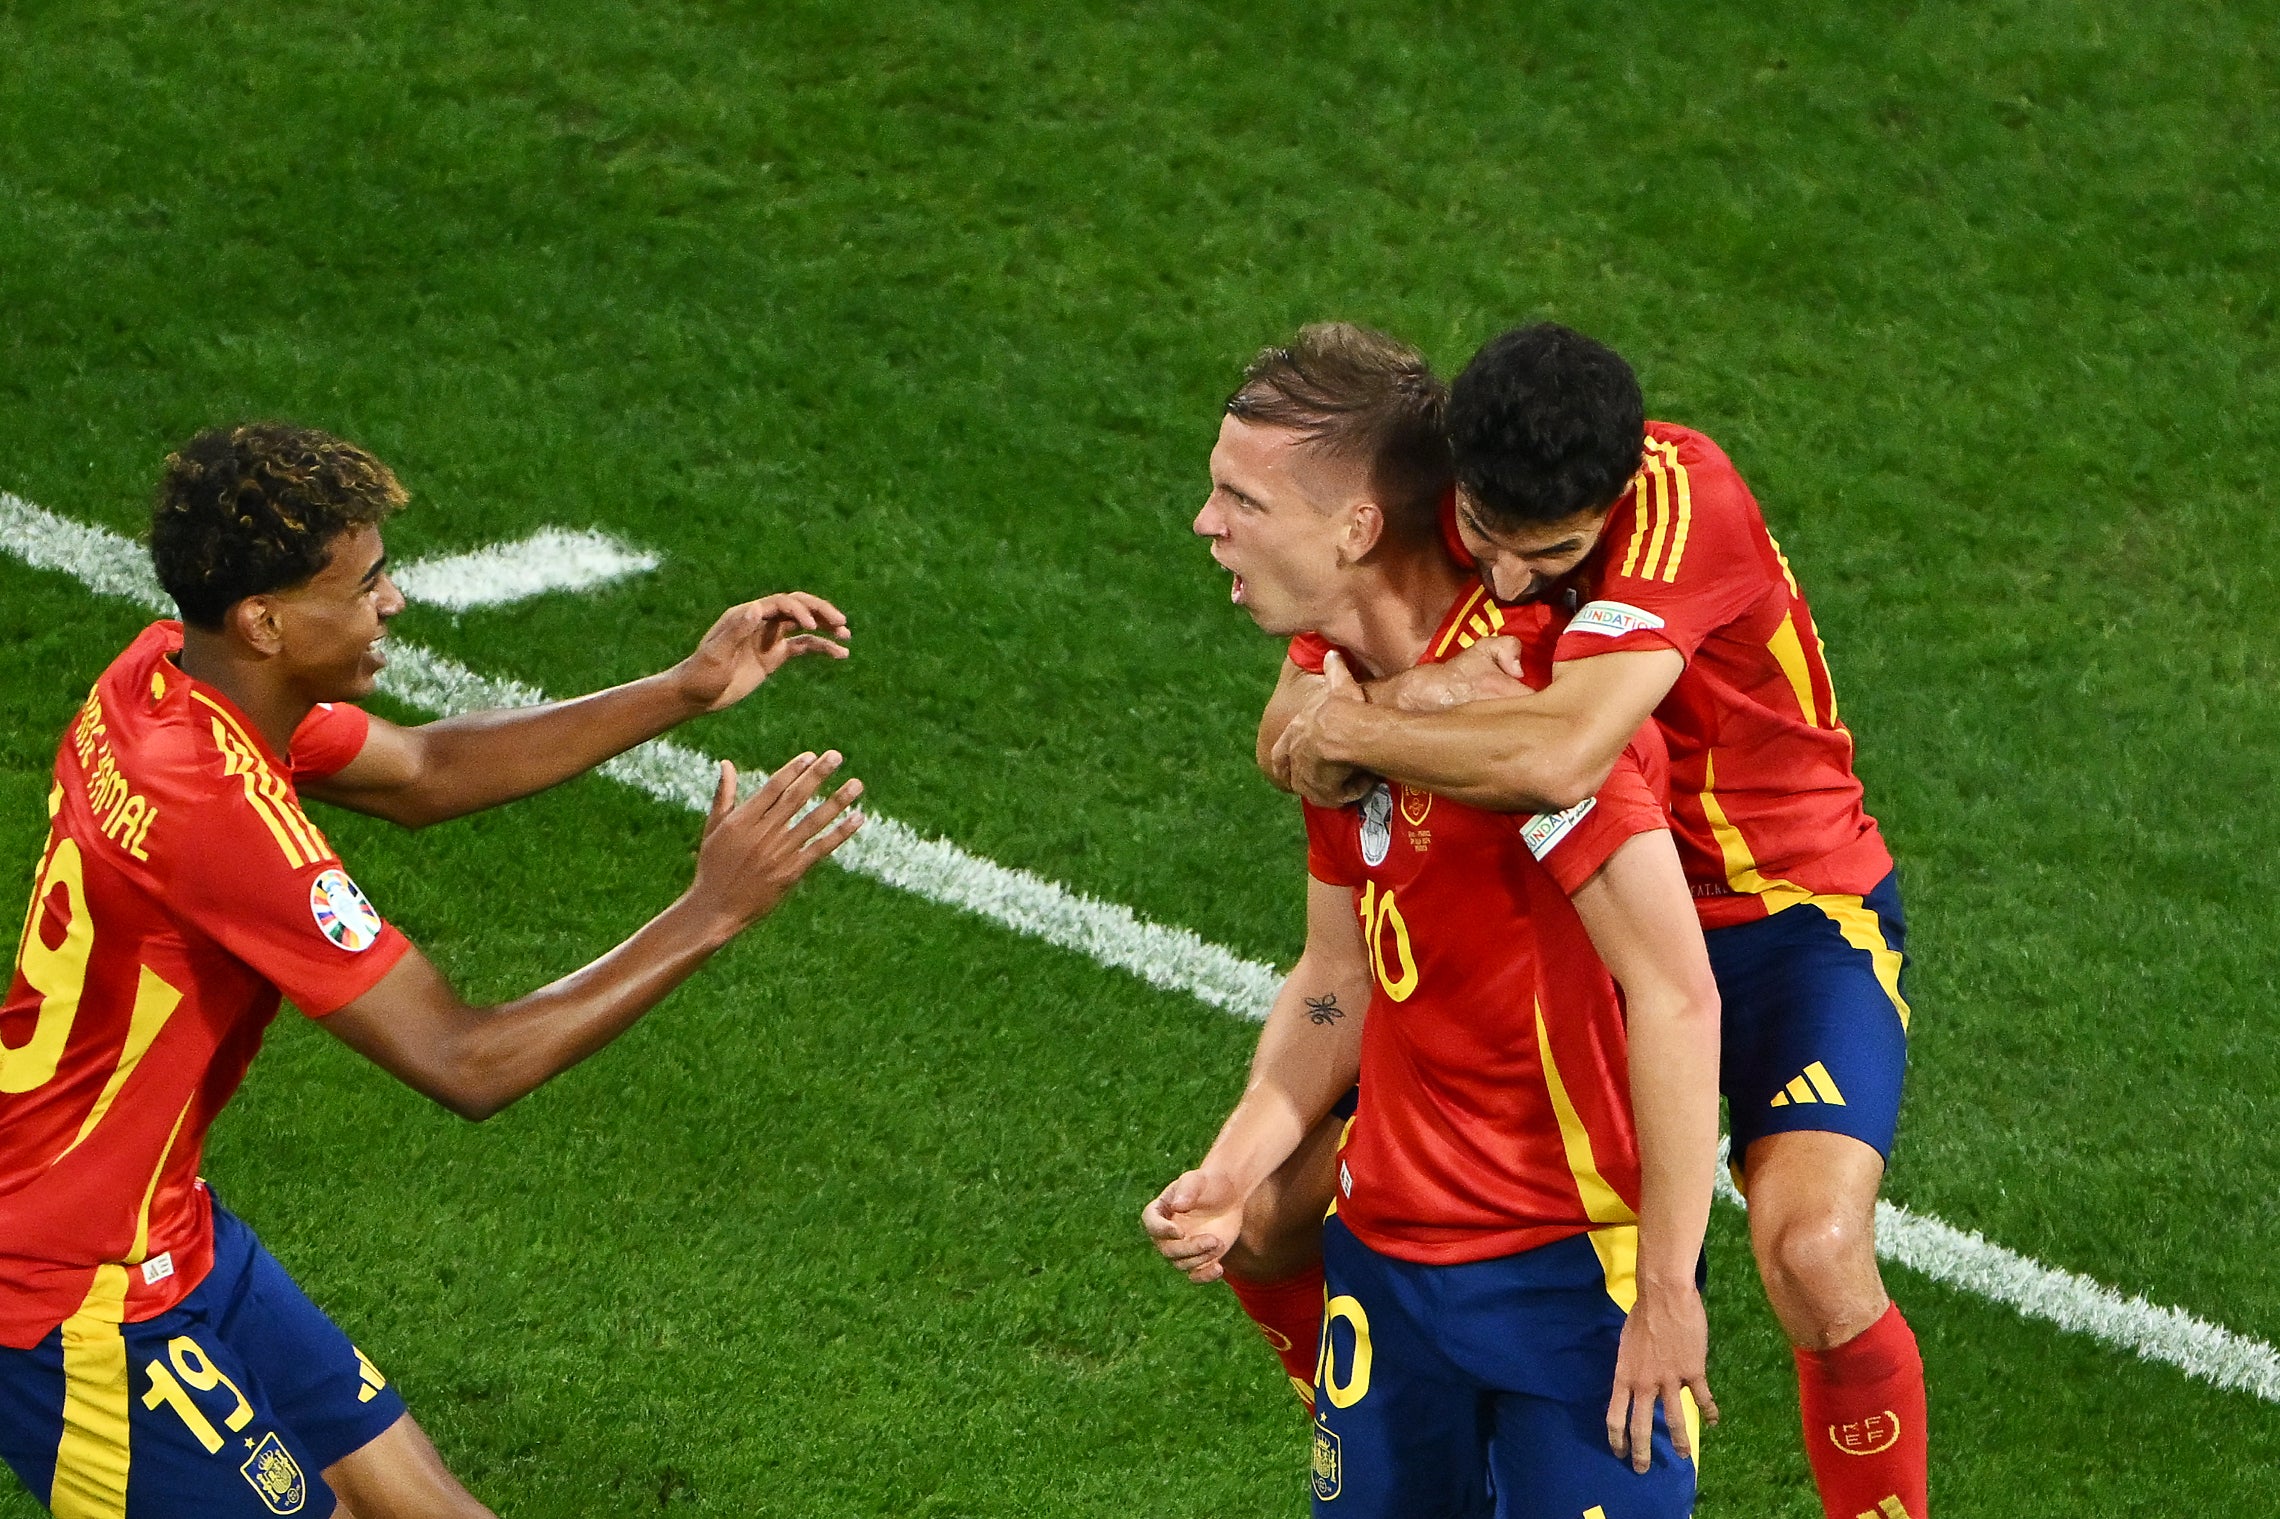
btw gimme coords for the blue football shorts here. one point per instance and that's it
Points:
(1815, 1018)
(1479, 1389)
(229, 1405)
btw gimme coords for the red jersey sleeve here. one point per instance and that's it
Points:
(1684, 554)
(308, 931)
(1331, 856)
(329, 737)
(1572, 845)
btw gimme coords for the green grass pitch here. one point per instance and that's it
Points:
(929, 308)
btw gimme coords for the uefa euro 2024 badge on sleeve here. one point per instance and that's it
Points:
(342, 913)
(1377, 824)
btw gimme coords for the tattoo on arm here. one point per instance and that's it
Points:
(1324, 1009)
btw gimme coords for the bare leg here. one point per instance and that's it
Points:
(1282, 1224)
(1860, 1374)
(400, 1476)
(1813, 1230)
(1275, 1264)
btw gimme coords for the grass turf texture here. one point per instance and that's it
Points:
(932, 315)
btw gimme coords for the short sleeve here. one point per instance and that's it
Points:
(1330, 854)
(1686, 555)
(305, 927)
(331, 736)
(1573, 844)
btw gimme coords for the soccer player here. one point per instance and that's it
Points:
(1677, 602)
(155, 1360)
(1519, 1201)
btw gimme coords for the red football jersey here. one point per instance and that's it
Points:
(1495, 1109)
(1768, 811)
(181, 891)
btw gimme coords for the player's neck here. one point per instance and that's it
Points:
(254, 686)
(1398, 605)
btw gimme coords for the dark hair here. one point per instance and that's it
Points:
(246, 510)
(1545, 423)
(1358, 394)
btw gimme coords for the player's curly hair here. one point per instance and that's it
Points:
(1358, 394)
(1545, 423)
(241, 511)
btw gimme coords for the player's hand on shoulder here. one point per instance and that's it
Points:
(755, 851)
(1663, 1353)
(1298, 757)
(751, 642)
(1488, 670)
(1194, 1222)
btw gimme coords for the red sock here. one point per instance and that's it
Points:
(1864, 1423)
(1289, 1314)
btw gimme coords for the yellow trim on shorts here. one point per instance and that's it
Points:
(91, 1459)
(1854, 919)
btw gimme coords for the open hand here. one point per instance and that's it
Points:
(751, 642)
(755, 852)
(1194, 1223)
(1298, 753)
(1664, 1351)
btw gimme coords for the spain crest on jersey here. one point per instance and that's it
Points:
(1328, 1459)
(276, 1476)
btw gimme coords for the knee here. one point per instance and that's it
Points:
(1817, 1255)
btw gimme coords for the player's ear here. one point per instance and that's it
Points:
(1365, 530)
(253, 621)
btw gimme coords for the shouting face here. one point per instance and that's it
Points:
(1285, 522)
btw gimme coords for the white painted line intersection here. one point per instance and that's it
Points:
(1173, 959)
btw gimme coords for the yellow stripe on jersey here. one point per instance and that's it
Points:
(272, 800)
(237, 762)
(1685, 486)
(155, 1002)
(1457, 623)
(141, 1246)
(1786, 572)
(1789, 652)
(1638, 520)
(91, 1459)
(1661, 481)
(1602, 1204)
(1853, 917)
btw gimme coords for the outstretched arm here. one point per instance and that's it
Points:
(1309, 1054)
(476, 1061)
(446, 769)
(1642, 922)
(1529, 751)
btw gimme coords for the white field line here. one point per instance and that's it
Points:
(1177, 960)
(1970, 1261)
(551, 559)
